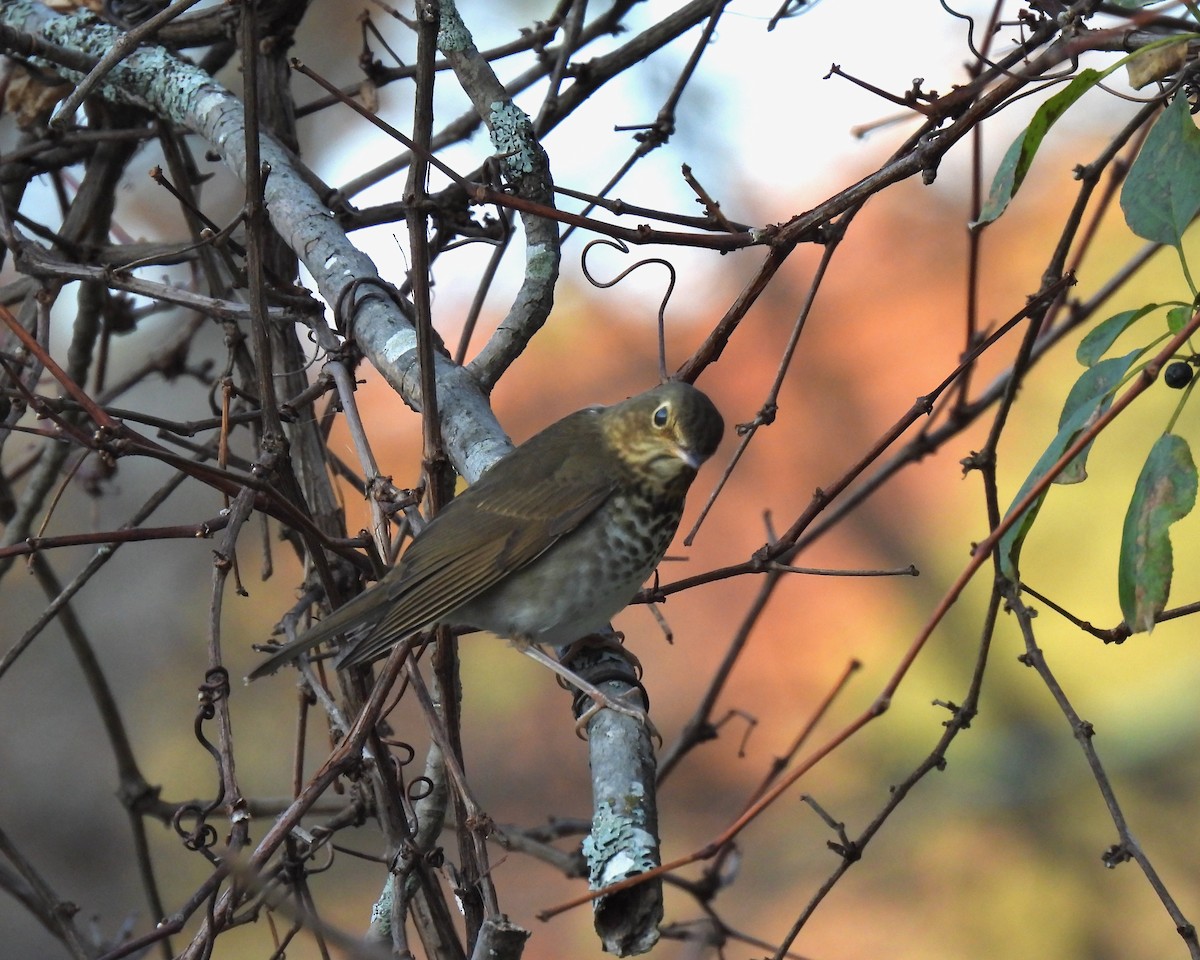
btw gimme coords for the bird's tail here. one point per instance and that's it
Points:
(346, 618)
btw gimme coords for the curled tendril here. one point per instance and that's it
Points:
(214, 688)
(410, 751)
(304, 864)
(662, 307)
(347, 303)
(202, 835)
(992, 64)
(419, 789)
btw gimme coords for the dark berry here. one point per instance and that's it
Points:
(1178, 375)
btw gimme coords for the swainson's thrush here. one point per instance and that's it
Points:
(550, 543)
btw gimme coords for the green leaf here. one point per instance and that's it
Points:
(1092, 393)
(1088, 399)
(1165, 492)
(1102, 336)
(1161, 194)
(1019, 156)
(1178, 317)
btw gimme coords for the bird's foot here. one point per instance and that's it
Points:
(611, 642)
(600, 700)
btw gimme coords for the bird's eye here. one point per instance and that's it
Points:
(661, 415)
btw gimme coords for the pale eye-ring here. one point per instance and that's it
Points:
(662, 415)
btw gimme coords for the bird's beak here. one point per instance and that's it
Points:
(690, 457)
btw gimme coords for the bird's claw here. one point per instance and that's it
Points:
(613, 642)
(602, 702)
(587, 688)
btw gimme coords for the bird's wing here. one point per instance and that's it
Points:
(442, 576)
(438, 573)
(517, 510)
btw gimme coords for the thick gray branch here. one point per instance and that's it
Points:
(189, 97)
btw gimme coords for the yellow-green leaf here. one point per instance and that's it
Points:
(1165, 493)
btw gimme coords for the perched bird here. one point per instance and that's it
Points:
(550, 543)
